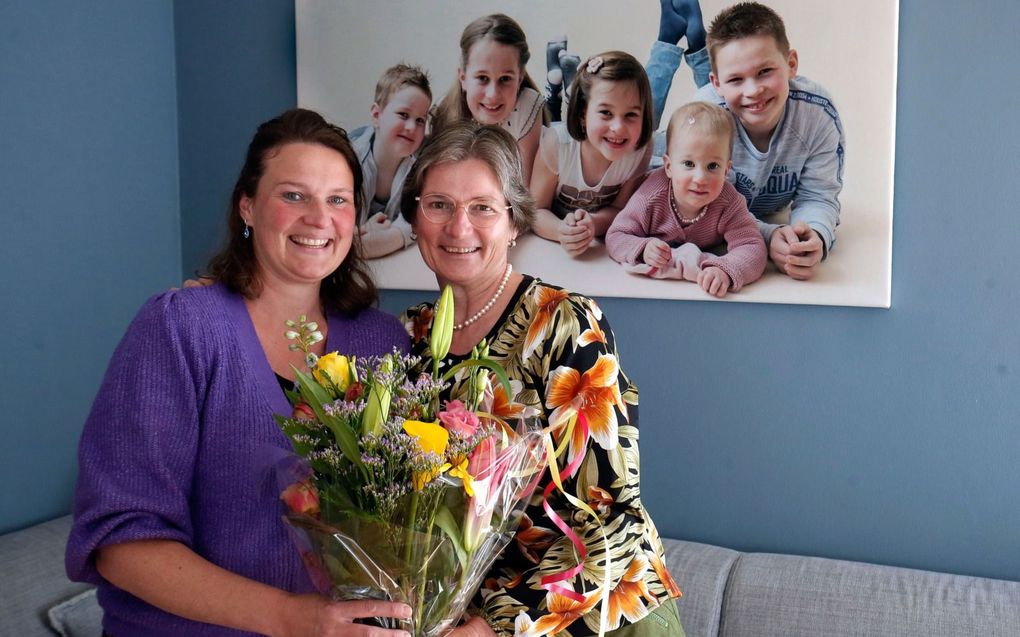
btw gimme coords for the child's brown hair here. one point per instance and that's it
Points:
(743, 20)
(500, 28)
(397, 77)
(613, 66)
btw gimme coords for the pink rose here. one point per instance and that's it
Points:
(458, 420)
(301, 497)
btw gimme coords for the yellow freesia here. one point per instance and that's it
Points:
(336, 367)
(432, 438)
(460, 470)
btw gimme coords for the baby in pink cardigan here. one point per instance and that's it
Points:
(687, 206)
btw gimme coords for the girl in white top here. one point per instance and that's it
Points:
(586, 173)
(493, 85)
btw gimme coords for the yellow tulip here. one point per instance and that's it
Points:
(336, 368)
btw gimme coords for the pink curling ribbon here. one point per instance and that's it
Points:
(549, 582)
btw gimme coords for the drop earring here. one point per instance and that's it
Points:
(247, 232)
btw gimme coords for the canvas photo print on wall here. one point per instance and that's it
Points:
(812, 137)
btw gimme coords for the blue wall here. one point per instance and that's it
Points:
(235, 69)
(880, 435)
(90, 225)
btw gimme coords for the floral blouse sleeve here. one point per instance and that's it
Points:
(560, 353)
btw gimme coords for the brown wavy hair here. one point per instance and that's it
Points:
(348, 289)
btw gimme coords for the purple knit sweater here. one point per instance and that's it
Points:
(648, 215)
(178, 442)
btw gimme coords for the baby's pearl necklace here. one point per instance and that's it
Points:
(488, 306)
(681, 218)
(687, 222)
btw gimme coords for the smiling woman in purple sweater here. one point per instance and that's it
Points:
(173, 521)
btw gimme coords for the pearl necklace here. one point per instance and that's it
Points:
(488, 306)
(681, 219)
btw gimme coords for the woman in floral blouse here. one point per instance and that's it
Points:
(467, 203)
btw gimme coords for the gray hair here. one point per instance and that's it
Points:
(493, 146)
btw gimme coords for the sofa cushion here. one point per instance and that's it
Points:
(32, 577)
(789, 596)
(79, 616)
(701, 572)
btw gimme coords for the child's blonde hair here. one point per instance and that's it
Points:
(397, 77)
(499, 28)
(704, 118)
(743, 20)
(613, 66)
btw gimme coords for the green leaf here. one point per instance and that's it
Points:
(315, 396)
(337, 498)
(344, 437)
(311, 392)
(445, 521)
(495, 367)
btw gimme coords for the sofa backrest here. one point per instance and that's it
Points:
(788, 596)
(701, 571)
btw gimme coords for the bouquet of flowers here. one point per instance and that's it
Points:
(401, 498)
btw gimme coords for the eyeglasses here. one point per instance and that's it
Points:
(482, 212)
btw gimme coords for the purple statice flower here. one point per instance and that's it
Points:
(348, 410)
(305, 439)
(331, 456)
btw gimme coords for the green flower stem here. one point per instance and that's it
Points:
(421, 582)
(409, 535)
(410, 528)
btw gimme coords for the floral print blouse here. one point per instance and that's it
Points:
(560, 355)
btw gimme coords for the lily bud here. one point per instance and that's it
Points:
(442, 326)
(377, 407)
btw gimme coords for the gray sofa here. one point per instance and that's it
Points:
(726, 593)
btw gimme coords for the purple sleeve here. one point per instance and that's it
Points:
(139, 444)
(629, 232)
(746, 256)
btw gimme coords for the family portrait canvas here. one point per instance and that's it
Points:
(344, 48)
